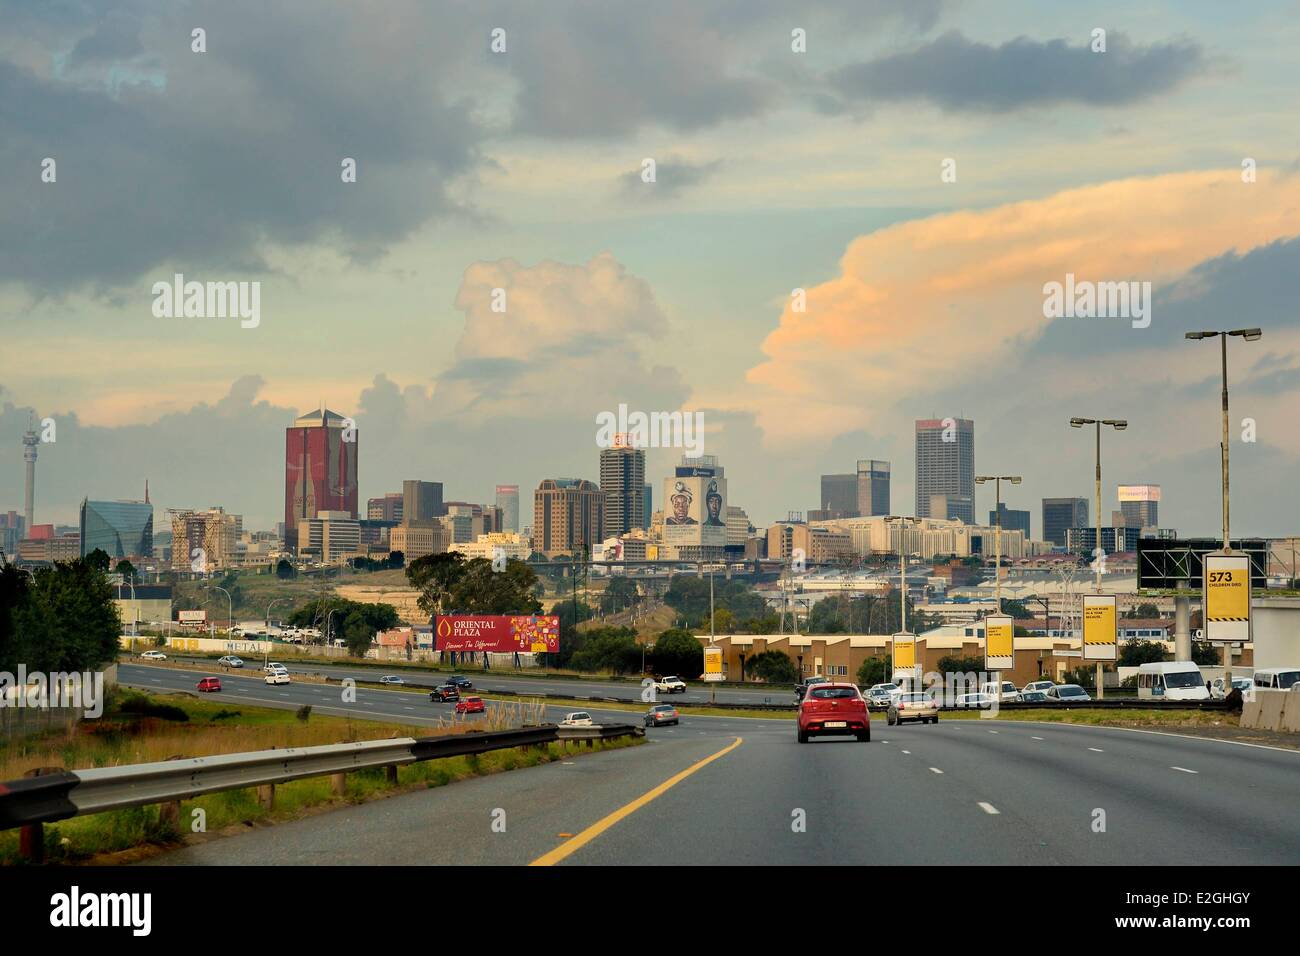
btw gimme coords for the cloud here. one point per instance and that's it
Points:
(672, 176)
(958, 75)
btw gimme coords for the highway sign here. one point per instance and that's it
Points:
(999, 643)
(1227, 598)
(713, 663)
(1175, 563)
(1100, 634)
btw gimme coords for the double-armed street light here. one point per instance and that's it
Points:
(997, 527)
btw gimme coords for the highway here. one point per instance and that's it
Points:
(507, 681)
(735, 790)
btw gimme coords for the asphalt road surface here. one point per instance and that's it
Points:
(743, 791)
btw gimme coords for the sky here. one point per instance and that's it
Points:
(920, 169)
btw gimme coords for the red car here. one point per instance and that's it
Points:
(209, 684)
(470, 705)
(833, 709)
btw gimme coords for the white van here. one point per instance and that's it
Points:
(1008, 694)
(1171, 680)
(1277, 678)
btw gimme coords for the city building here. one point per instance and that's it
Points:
(416, 540)
(30, 441)
(1140, 505)
(422, 500)
(1011, 520)
(839, 497)
(205, 540)
(12, 531)
(48, 546)
(863, 493)
(1083, 541)
(142, 603)
(1061, 514)
(464, 520)
(490, 545)
(568, 516)
(873, 487)
(387, 508)
(945, 465)
(507, 501)
(622, 479)
(649, 510)
(121, 529)
(818, 545)
(738, 529)
(329, 537)
(320, 469)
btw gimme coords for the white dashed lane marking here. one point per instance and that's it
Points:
(989, 809)
(1184, 770)
(1097, 750)
(935, 770)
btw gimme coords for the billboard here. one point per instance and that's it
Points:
(1227, 598)
(695, 511)
(497, 633)
(713, 663)
(1100, 633)
(198, 618)
(1139, 492)
(905, 662)
(999, 652)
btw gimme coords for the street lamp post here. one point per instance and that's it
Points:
(1119, 425)
(230, 605)
(900, 520)
(274, 601)
(997, 526)
(1250, 335)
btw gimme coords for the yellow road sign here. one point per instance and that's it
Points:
(1227, 597)
(1100, 632)
(999, 643)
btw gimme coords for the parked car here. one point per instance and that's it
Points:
(471, 705)
(1067, 694)
(1033, 697)
(579, 718)
(922, 707)
(209, 684)
(277, 677)
(1244, 684)
(670, 685)
(153, 656)
(230, 660)
(444, 692)
(1036, 686)
(833, 708)
(1277, 678)
(974, 700)
(463, 683)
(889, 687)
(1007, 692)
(661, 714)
(391, 679)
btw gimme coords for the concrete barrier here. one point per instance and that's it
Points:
(1291, 712)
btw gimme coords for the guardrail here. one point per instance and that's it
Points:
(59, 795)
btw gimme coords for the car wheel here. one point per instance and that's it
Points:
(863, 738)
(803, 738)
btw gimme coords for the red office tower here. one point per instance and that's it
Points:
(320, 469)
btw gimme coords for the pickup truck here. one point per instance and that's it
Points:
(670, 685)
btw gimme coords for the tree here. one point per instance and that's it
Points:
(1135, 653)
(434, 576)
(126, 569)
(724, 622)
(1145, 610)
(63, 621)
(620, 593)
(285, 571)
(351, 621)
(678, 652)
(571, 639)
(396, 560)
(98, 560)
(609, 648)
(774, 667)
(1205, 654)
(1017, 610)
(767, 624)
(873, 670)
(955, 664)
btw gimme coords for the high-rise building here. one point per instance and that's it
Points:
(945, 465)
(121, 529)
(1140, 505)
(422, 500)
(508, 501)
(1061, 514)
(330, 536)
(1011, 520)
(649, 510)
(839, 496)
(873, 487)
(205, 540)
(320, 469)
(13, 529)
(568, 515)
(387, 508)
(419, 540)
(622, 479)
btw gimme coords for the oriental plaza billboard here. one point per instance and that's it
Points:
(497, 633)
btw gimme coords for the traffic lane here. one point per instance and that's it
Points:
(1103, 799)
(570, 688)
(831, 801)
(394, 705)
(454, 824)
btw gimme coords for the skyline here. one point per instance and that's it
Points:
(821, 171)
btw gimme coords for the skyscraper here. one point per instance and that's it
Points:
(121, 529)
(622, 479)
(840, 496)
(508, 502)
(649, 511)
(320, 469)
(422, 501)
(568, 516)
(1061, 514)
(1140, 505)
(873, 487)
(945, 465)
(1011, 520)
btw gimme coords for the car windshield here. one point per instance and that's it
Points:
(1184, 679)
(664, 708)
(1287, 678)
(828, 693)
(1070, 690)
(888, 687)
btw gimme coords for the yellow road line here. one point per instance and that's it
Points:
(570, 847)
